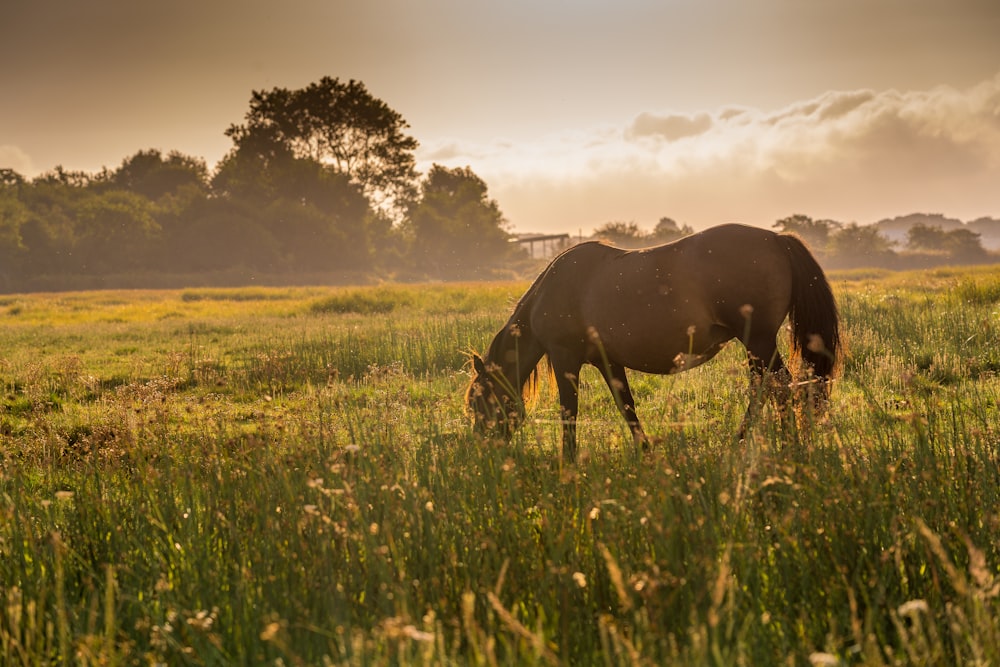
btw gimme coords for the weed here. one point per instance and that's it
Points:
(289, 476)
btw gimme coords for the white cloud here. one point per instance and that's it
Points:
(669, 127)
(12, 157)
(848, 155)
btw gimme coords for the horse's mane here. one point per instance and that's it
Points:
(505, 340)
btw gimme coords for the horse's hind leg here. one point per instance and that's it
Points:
(617, 381)
(769, 377)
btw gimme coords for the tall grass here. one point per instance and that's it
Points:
(290, 478)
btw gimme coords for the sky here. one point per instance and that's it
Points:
(574, 113)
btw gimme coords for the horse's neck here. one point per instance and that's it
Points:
(516, 353)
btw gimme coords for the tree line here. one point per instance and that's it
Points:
(851, 245)
(319, 184)
(837, 244)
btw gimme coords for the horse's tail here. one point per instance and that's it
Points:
(813, 313)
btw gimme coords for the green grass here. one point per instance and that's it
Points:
(287, 477)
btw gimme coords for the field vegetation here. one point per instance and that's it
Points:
(287, 476)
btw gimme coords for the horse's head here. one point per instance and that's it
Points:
(493, 401)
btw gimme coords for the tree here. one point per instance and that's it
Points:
(341, 125)
(965, 245)
(72, 179)
(13, 215)
(318, 217)
(257, 168)
(816, 233)
(154, 176)
(219, 234)
(925, 237)
(622, 234)
(10, 178)
(115, 231)
(857, 245)
(667, 230)
(961, 244)
(456, 228)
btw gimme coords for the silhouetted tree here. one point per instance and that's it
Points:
(925, 237)
(154, 176)
(220, 234)
(961, 244)
(13, 216)
(622, 234)
(341, 125)
(72, 179)
(965, 245)
(816, 233)
(115, 232)
(49, 235)
(10, 178)
(667, 230)
(318, 218)
(456, 228)
(855, 245)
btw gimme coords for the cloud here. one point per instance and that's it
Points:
(669, 127)
(848, 155)
(12, 157)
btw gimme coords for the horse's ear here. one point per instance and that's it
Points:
(478, 364)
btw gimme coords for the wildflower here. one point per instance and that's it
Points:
(270, 632)
(913, 607)
(418, 635)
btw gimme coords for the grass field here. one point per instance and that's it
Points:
(287, 476)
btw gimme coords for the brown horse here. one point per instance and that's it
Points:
(661, 310)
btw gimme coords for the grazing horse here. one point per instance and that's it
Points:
(661, 310)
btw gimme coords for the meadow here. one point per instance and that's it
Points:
(287, 476)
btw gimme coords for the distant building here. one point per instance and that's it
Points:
(543, 246)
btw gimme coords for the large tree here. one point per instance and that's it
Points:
(667, 230)
(856, 245)
(154, 176)
(816, 233)
(116, 231)
(340, 125)
(317, 217)
(621, 234)
(456, 228)
(961, 244)
(13, 215)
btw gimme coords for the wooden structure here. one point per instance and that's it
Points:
(543, 246)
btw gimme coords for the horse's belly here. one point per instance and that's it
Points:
(659, 350)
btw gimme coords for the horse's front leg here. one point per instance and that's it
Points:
(567, 372)
(617, 381)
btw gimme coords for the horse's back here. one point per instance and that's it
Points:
(648, 305)
(722, 270)
(715, 267)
